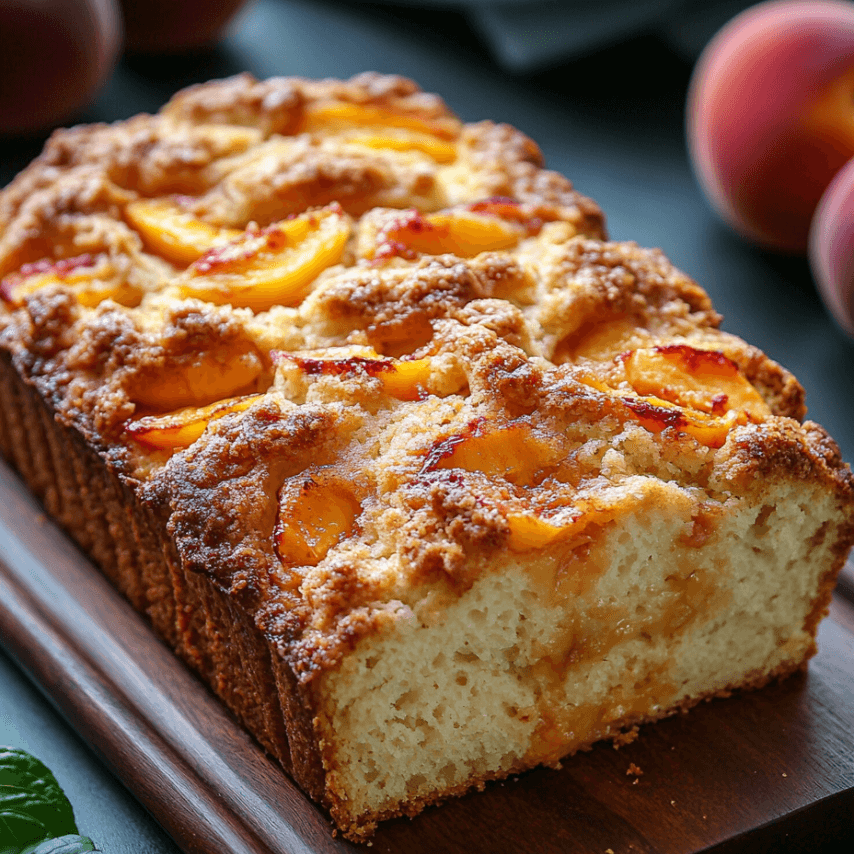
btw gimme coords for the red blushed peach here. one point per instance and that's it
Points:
(831, 248)
(54, 56)
(771, 116)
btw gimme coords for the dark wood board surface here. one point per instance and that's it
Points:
(771, 770)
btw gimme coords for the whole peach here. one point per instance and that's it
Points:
(831, 247)
(54, 55)
(771, 115)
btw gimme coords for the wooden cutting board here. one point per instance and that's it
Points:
(771, 770)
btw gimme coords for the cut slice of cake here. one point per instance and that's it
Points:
(428, 480)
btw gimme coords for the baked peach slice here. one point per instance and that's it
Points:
(512, 451)
(403, 140)
(342, 115)
(316, 511)
(530, 532)
(600, 341)
(271, 266)
(516, 453)
(173, 233)
(656, 415)
(404, 379)
(200, 379)
(92, 279)
(180, 429)
(462, 232)
(699, 392)
(704, 380)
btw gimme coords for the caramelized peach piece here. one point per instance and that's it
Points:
(436, 149)
(513, 452)
(403, 379)
(703, 380)
(712, 431)
(529, 532)
(180, 429)
(600, 340)
(174, 234)
(468, 233)
(656, 415)
(462, 233)
(506, 208)
(205, 378)
(273, 266)
(94, 293)
(315, 512)
(92, 279)
(341, 115)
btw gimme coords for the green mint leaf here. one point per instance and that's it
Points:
(32, 805)
(71, 844)
(18, 828)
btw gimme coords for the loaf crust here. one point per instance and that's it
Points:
(445, 419)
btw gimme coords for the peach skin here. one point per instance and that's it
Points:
(770, 116)
(831, 248)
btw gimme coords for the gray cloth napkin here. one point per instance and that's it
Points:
(527, 36)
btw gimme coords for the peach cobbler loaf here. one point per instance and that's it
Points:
(428, 480)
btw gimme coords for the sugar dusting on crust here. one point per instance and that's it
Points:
(449, 388)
